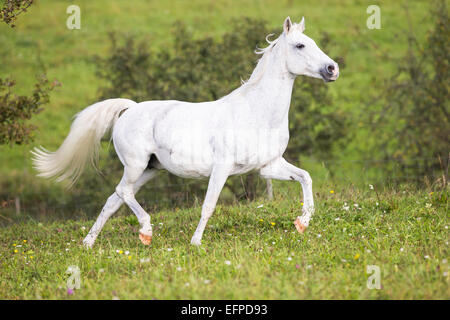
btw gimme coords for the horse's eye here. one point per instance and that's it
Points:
(300, 46)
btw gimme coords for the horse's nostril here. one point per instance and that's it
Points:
(330, 69)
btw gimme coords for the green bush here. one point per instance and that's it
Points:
(11, 9)
(413, 126)
(15, 110)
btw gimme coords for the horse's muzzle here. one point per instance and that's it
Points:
(330, 72)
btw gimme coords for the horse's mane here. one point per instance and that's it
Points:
(260, 68)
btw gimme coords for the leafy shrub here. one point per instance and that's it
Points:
(413, 126)
(15, 110)
(12, 8)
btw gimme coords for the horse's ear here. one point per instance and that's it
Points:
(287, 25)
(302, 24)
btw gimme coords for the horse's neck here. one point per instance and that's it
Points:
(271, 95)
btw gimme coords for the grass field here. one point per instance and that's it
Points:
(248, 252)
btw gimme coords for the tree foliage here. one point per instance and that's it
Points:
(413, 126)
(12, 8)
(15, 110)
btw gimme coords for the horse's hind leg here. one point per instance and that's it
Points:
(126, 191)
(269, 187)
(111, 206)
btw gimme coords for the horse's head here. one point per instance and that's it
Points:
(304, 57)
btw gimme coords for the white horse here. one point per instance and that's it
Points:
(243, 131)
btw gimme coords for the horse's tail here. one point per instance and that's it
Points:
(82, 143)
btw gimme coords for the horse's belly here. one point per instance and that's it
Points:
(186, 163)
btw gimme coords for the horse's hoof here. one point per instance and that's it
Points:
(299, 226)
(146, 240)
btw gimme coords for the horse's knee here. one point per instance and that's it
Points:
(306, 178)
(303, 177)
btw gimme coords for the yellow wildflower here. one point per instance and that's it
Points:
(356, 257)
(272, 223)
(331, 191)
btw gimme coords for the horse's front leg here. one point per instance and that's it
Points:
(282, 170)
(217, 180)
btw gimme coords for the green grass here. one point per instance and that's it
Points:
(404, 232)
